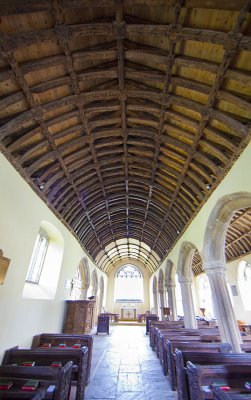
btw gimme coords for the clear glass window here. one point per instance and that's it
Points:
(205, 296)
(37, 258)
(244, 283)
(129, 284)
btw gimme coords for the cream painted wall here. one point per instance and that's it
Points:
(238, 179)
(110, 304)
(237, 301)
(21, 212)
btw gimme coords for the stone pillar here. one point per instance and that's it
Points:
(172, 302)
(84, 293)
(223, 307)
(188, 307)
(162, 303)
(155, 301)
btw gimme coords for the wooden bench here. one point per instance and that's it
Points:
(202, 358)
(162, 335)
(198, 337)
(201, 377)
(45, 357)
(44, 391)
(230, 395)
(59, 377)
(161, 324)
(198, 346)
(56, 338)
(191, 341)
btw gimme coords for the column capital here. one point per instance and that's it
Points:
(170, 285)
(215, 267)
(185, 281)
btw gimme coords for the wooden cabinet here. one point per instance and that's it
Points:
(79, 316)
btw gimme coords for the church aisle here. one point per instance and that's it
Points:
(124, 367)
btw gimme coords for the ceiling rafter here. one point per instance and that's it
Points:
(138, 109)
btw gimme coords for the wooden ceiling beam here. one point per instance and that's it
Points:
(29, 6)
(231, 45)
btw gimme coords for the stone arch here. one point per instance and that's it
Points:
(94, 292)
(94, 282)
(217, 225)
(155, 295)
(161, 280)
(161, 293)
(215, 263)
(101, 294)
(84, 273)
(184, 271)
(185, 260)
(170, 272)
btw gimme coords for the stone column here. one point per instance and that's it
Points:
(155, 301)
(223, 307)
(84, 293)
(188, 307)
(172, 302)
(162, 303)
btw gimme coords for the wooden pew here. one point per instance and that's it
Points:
(59, 377)
(43, 357)
(162, 335)
(191, 341)
(44, 391)
(229, 395)
(246, 347)
(198, 346)
(195, 336)
(201, 377)
(161, 324)
(56, 338)
(202, 358)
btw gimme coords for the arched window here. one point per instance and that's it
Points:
(38, 257)
(44, 269)
(129, 283)
(205, 295)
(244, 283)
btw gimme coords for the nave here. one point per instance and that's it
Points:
(124, 367)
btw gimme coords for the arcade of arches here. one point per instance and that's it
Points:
(125, 162)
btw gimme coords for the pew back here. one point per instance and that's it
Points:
(54, 339)
(60, 377)
(43, 357)
(201, 377)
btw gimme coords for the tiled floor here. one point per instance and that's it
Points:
(124, 367)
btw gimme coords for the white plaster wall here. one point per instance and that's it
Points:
(240, 312)
(21, 212)
(238, 179)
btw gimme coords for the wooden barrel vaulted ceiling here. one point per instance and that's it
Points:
(124, 116)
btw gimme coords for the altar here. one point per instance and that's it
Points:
(128, 313)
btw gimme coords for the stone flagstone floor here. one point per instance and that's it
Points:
(124, 367)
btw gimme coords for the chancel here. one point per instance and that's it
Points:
(125, 197)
